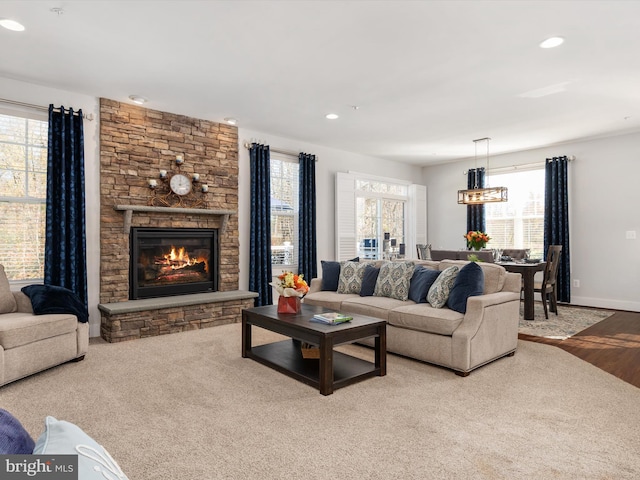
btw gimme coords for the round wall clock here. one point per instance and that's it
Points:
(180, 184)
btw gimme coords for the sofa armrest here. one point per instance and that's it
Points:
(478, 309)
(23, 301)
(315, 285)
(490, 325)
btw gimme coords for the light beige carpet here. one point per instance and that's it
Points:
(188, 407)
(569, 321)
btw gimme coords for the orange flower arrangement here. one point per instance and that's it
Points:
(291, 285)
(476, 240)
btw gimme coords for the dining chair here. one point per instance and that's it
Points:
(423, 251)
(514, 253)
(547, 287)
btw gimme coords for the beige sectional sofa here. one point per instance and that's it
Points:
(462, 342)
(31, 343)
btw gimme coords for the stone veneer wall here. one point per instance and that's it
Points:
(135, 144)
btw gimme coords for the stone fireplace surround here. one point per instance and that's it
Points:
(135, 144)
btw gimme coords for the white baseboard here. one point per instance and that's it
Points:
(606, 303)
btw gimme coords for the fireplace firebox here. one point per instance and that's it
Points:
(173, 261)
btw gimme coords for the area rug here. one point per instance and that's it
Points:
(568, 322)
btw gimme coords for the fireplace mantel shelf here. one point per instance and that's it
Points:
(131, 306)
(129, 209)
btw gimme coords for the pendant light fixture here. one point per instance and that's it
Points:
(477, 195)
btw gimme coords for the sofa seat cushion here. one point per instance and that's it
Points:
(378, 307)
(424, 318)
(17, 329)
(494, 275)
(330, 300)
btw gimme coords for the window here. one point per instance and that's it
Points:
(368, 208)
(23, 189)
(284, 213)
(380, 210)
(518, 223)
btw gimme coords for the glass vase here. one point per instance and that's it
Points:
(288, 304)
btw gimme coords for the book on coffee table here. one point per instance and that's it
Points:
(331, 318)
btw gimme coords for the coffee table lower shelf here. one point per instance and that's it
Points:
(286, 357)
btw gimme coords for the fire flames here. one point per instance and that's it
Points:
(179, 258)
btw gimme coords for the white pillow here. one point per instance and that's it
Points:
(65, 438)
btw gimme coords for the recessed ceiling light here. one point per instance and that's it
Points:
(331, 116)
(552, 42)
(11, 25)
(231, 121)
(138, 99)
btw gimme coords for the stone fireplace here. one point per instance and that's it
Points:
(135, 145)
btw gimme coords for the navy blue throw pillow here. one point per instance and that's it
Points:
(468, 283)
(14, 439)
(46, 299)
(331, 274)
(421, 281)
(369, 280)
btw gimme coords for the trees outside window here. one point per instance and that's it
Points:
(23, 189)
(518, 223)
(284, 213)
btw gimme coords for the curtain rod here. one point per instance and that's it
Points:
(40, 107)
(290, 153)
(524, 166)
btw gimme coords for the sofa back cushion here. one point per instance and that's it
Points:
(494, 275)
(7, 300)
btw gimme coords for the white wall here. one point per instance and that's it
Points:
(603, 181)
(43, 96)
(329, 162)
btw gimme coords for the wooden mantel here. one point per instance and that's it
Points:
(129, 209)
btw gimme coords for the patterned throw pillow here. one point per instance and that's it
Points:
(393, 280)
(351, 274)
(439, 291)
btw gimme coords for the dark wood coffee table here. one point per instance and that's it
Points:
(333, 369)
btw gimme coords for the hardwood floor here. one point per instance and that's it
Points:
(612, 345)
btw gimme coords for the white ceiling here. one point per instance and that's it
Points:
(428, 77)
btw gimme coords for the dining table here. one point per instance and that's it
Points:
(528, 271)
